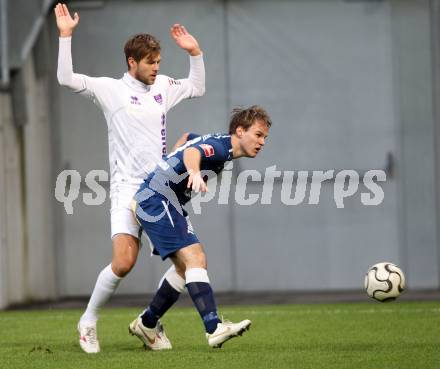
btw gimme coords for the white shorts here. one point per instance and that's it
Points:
(123, 221)
(121, 214)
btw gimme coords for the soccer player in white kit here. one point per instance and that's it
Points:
(135, 108)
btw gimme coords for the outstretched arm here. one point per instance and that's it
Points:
(191, 159)
(66, 24)
(66, 77)
(194, 85)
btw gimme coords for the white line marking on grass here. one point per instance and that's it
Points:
(188, 312)
(319, 311)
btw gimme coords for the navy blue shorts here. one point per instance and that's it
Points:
(169, 231)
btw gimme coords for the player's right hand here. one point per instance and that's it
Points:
(65, 22)
(196, 182)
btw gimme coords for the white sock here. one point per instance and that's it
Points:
(196, 275)
(175, 280)
(105, 286)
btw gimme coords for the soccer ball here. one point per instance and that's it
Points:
(384, 282)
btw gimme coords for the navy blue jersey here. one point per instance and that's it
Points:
(171, 177)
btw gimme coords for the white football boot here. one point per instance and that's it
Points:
(153, 338)
(227, 330)
(88, 337)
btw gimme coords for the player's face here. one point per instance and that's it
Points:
(147, 69)
(252, 140)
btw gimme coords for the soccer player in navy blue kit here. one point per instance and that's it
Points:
(158, 208)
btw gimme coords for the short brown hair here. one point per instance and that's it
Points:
(245, 117)
(141, 45)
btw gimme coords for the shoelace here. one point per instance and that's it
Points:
(91, 335)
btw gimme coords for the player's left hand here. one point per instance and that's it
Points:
(196, 182)
(185, 40)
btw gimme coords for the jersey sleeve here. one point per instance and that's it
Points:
(193, 86)
(94, 88)
(212, 150)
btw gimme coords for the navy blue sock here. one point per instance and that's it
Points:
(164, 298)
(203, 298)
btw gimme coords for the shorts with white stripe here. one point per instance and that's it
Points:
(170, 231)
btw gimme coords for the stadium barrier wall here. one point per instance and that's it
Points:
(27, 269)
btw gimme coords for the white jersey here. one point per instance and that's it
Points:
(135, 113)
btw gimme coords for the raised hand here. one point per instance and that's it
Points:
(185, 40)
(65, 22)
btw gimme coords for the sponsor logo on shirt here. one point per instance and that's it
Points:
(158, 99)
(163, 134)
(173, 82)
(208, 150)
(134, 100)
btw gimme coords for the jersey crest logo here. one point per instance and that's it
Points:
(208, 150)
(158, 99)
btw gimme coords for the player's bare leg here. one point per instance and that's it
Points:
(125, 252)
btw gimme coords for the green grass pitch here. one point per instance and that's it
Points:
(356, 336)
